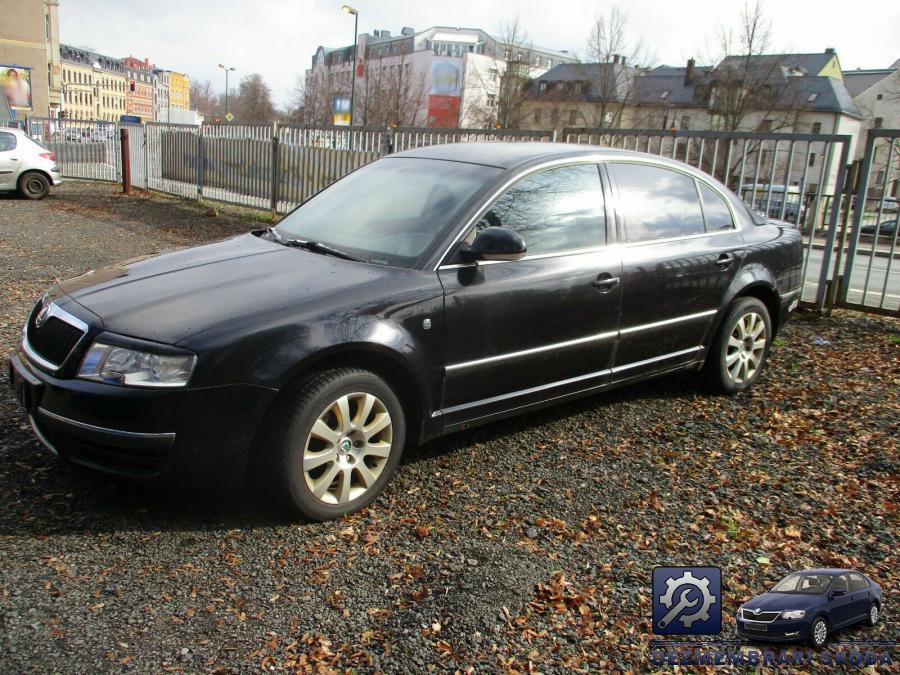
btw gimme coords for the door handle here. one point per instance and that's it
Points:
(724, 261)
(606, 282)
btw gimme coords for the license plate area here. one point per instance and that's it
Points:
(756, 625)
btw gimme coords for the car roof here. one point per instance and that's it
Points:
(826, 570)
(509, 154)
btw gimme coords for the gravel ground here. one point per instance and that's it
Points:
(524, 546)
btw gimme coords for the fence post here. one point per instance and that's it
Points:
(126, 161)
(276, 178)
(200, 164)
(835, 291)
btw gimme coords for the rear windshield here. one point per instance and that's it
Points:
(37, 143)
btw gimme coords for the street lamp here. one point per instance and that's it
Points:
(347, 9)
(226, 69)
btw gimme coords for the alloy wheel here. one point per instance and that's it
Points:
(820, 631)
(34, 186)
(873, 615)
(746, 347)
(347, 448)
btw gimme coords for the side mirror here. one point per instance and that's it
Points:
(495, 243)
(838, 590)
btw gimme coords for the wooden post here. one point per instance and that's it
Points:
(126, 161)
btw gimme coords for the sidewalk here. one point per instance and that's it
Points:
(863, 247)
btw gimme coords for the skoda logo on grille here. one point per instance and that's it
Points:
(42, 315)
(757, 610)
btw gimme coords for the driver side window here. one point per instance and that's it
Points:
(554, 210)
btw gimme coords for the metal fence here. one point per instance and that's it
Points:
(805, 179)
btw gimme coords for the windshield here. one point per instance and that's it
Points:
(809, 584)
(388, 212)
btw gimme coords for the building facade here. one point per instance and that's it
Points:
(438, 77)
(139, 90)
(876, 93)
(161, 95)
(179, 91)
(30, 74)
(94, 85)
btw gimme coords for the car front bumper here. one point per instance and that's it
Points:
(165, 436)
(775, 631)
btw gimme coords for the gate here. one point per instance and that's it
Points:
(84, 149)
(797, 178)
(870, 277)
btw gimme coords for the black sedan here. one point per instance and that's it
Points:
(428, 292)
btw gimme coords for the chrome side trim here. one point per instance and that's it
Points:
(169, 436)
(663, 357)
(578, 341)
(537, 256)
(40, 436)
(667, 322)
(535, 350)
(521, 392)
(61, 314)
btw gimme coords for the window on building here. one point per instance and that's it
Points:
(491, 100)
(542, 86)
(642, 187)
(879, 97)
(537, 116)
(554, 116)
(554, 210)
(879, 122)
(685, 121)
(812, 159)
(493, 73)
(573, 117)
(817, 127)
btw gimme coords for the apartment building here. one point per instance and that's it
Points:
(30, 73)
(439, 77)
(161, 95)
(93, 85)
(179, 91)
(139, 90)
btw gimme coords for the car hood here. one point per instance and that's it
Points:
(773, 602)
(171, 297)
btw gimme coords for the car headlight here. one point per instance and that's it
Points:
(119, 365)
(793, 614)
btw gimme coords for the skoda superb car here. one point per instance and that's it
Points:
(808, 605)
(430, 291)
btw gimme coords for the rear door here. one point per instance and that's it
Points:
(860, 596)
(527, 330)
(680, 252)
(9, 160)
(840, 607)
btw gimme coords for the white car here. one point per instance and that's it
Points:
(26, 165)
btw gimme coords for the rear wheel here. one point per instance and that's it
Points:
(873, 614)
(336, 442)
(740, 349)
(33, 185)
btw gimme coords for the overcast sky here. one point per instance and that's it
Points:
(277, 38)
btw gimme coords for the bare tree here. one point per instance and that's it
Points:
(391, 92)
(204, 99)
(253, 102)
(621, 57)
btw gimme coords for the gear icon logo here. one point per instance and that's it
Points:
(687, 600)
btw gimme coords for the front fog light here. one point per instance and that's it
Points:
(118, 365)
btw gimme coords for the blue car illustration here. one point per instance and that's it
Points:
(808, 605)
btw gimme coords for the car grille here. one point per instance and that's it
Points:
(762, 616)
(54, 339)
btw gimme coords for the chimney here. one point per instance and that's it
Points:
(622, 60)
(615, 59)
(689, 73)
(829, 50)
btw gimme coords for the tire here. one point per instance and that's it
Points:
(33, 185)
(874, 614)
(322, 463)
(818, 633)
(740, 349)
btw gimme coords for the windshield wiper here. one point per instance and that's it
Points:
(319, 247)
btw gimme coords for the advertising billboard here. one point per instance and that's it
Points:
(340, 110)
(445, 93)
(16, 84)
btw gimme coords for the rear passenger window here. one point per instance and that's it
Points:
(554, 210)
(715, 210)
(7, 142)
(656, 203)
(858, 582)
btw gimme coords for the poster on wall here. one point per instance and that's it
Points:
(16, 84)
(340, 111)
(444, 94)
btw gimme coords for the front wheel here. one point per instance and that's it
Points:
(740, 349)
(33, 185)
(334, 443)
(818, 633)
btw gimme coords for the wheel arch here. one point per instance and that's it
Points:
(39, 171)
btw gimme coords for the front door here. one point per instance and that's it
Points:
(9, 160)
(679, 255)
(522, 331)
